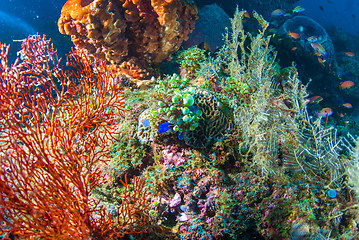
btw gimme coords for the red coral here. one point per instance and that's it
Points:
(55, 127)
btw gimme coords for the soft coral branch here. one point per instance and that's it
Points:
(56, 125)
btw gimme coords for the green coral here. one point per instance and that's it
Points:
(196, 113)
(191, 59)
(169, 84)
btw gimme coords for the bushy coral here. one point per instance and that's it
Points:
(190, 61)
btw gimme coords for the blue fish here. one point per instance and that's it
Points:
(180, 135)
(164, 127)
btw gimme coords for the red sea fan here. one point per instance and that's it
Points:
(56, 124)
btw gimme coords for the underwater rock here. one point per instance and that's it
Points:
(311, 34)
(210, 26)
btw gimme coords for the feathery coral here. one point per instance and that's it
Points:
(55, 128)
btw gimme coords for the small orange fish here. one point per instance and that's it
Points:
(341, 115)
(324, 112)
(315, 99)
(347, 105)
(246, 14)
(346, 85)
(321, 61)
(294, 48)
(350, 54)
(293, 35)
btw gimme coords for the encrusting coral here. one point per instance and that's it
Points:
(132, 35)
(195, 116)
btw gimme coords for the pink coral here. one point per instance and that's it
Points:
(174, 156)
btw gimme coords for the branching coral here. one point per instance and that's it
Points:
(250, 63)
(55, 128)
(317, 153)
(248, 57)
(270, 110)
(130, 34)
(190, 61)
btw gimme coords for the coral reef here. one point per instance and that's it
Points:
(127, 33)
(278, 174)
(196, 115)
(227, 152)
(214, 123)
(190, 61)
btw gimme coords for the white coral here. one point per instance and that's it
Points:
(353, 169)
(353, 177)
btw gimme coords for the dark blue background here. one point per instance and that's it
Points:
(17, 15)
(343, 14)
(42, 16)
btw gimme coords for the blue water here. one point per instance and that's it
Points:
(344, 14)
(19, 18)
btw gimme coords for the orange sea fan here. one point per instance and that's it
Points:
(56, 124)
